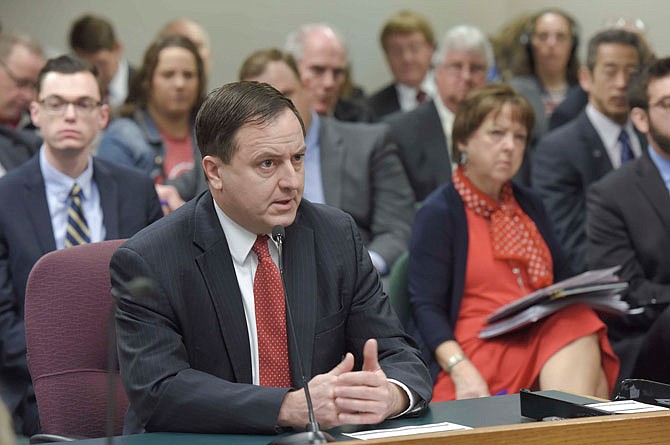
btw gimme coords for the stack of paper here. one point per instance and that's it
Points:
(601, 289)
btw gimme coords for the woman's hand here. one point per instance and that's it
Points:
(468, 381)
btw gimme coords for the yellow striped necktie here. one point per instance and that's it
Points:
(77, 229)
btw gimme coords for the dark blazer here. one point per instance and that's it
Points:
(17, 146)
(129, 203)
(354, 110)
(565, 163)
(438, 258)
(385, 101)
(362, 175)
(184, 350)
(424, 149)
(628, 224)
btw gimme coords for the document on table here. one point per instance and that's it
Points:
(627, 407)
(407, 430)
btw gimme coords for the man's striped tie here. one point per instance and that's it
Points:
(77, 228)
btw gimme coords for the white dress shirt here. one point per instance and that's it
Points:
(609, 135)
(407, 95)
(117, 89)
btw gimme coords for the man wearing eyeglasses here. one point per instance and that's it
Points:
(20, 61)
(60, 198)
(461, 62)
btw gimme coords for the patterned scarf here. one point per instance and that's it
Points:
(513, 234)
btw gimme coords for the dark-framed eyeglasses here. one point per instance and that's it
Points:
(56, 105)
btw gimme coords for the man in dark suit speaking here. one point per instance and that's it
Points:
(196, 350)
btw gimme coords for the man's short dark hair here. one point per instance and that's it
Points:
(232, 106)
(90, 34)
(68, 64)
(613, 36)
(638, 88)
(258, 61)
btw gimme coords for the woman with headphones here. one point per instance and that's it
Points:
(550, 39)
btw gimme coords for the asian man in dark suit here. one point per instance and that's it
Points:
(461, 62)
(628, 224)
(195, 351)
(35, 216)
(351, 166)
(598, 140)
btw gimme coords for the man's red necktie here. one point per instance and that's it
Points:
(270, 308)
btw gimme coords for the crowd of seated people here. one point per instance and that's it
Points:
(517, 182)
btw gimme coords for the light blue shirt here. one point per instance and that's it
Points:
(58, 186)
(662, 164)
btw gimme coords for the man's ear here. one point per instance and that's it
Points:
(34, 113)
(103, 117)
(585, 79)
(211, 166)
(640, 119)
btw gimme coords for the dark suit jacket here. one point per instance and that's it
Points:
(184, 350)
(129, 203)
(565, 163)
(362, 175)
(385, 101)
(17, 146)
(424, 149)
(629, 225)
(353, 110)
(438, 260)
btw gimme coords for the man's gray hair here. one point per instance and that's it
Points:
(9, 39)
(295, 41)
(466, 38)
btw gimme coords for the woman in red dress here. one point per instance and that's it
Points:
(479, 242)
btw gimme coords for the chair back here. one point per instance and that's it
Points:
(67, 318)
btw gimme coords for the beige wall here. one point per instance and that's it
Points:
(239, 27)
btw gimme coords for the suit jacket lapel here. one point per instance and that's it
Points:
(35, 199)
(651, 186)
(597, 153)
(301, 290)
(332, 157)
(218, 272)
(109, 199)
(438, 144)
